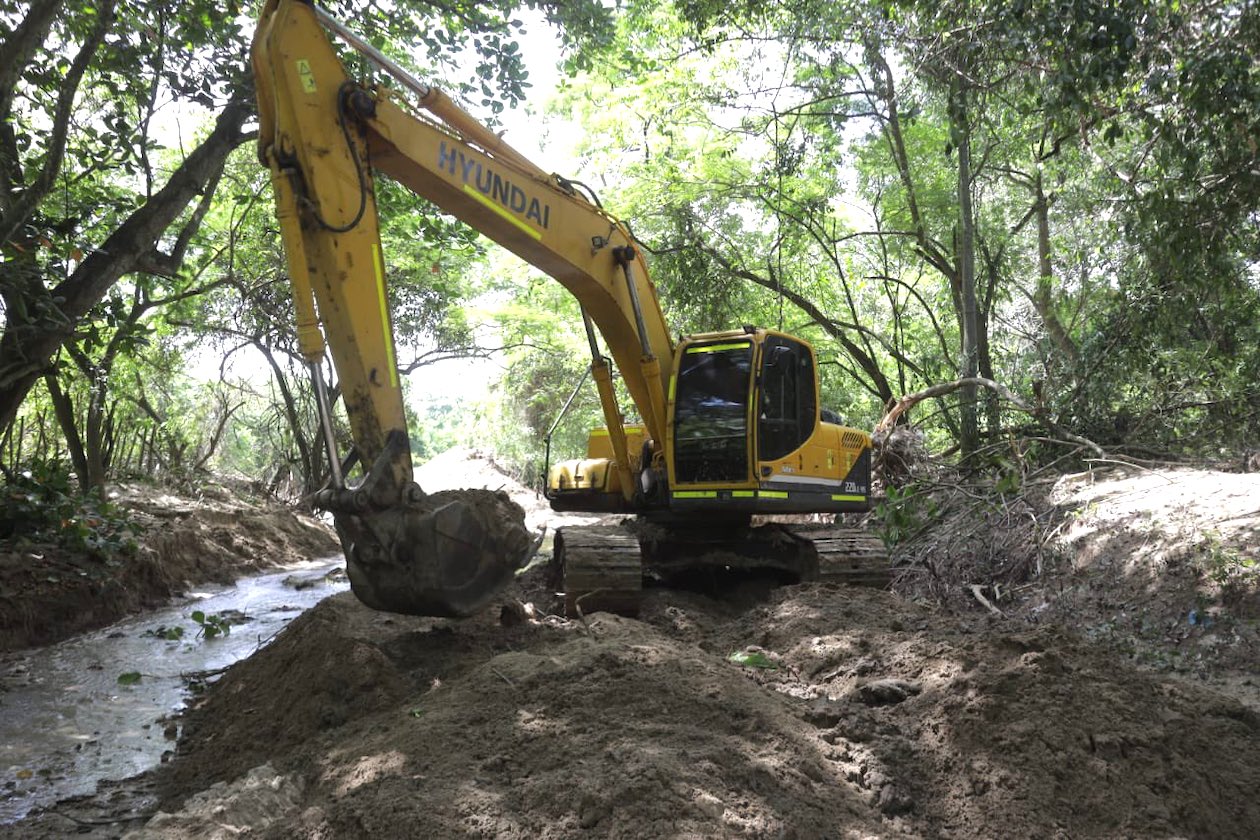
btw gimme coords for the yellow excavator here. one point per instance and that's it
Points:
(730, 426)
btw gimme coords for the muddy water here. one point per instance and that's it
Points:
(66, 721)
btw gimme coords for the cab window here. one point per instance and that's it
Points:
(786, 402)
(711, 412)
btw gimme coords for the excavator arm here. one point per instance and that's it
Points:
(324, 137)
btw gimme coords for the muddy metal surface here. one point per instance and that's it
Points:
(66, 720)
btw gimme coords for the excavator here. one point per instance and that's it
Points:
(729, 428)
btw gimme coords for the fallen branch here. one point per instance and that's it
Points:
(885, 426)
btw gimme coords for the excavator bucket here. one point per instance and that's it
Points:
(446, 555)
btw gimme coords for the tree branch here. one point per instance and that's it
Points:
(889, 421)
(26, 347)
(35, 192)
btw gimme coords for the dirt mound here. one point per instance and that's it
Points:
(48, 593)
(1163, 564)
(819, 712)
(253, 802)
(219, 546)
(460, 468)
(806, 711)
(325, 669)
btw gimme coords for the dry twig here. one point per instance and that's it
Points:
(885, 426)
(976, 590)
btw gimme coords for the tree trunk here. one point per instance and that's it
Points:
(28, 344)
(310, 463)
(63, 408)
(149, 459)
(969, 315)
(1043, 299)
(94, 440)
(6, 449)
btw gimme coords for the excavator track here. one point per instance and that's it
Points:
(850, 556)
(602, 567)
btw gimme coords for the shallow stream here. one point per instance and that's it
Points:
(75, 713)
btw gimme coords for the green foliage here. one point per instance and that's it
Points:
(547, 355)
(130, 678)
(88, 145)
(169, 634)
(211, 625)
(1229, 568)
(777, 175)
(794, 162)
(437, 426)
(44, 506)
(752, 659)
(903, 513)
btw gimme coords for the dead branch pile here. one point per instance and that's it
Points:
(968, 539)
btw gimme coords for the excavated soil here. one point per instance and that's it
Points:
(811, 711)
(859, 716)
(48, 593)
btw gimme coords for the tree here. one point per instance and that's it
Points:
(68, 230)
(1033, 156)
(85, 202)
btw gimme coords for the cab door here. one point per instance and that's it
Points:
(711, 413)
(787, 405)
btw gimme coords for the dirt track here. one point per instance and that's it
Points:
(861, 714)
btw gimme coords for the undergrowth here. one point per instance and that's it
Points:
(43, 505)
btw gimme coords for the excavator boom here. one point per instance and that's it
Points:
(406, 551)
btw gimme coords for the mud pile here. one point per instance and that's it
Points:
(1164, 566)
(806, 711)
(818, 712)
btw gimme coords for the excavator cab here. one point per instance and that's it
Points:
(720, 407)
(744, 435)
(748, 435)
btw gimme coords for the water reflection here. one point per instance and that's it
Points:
(66, 722)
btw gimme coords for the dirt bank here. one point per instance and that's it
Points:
(871, 718)
(806, 711)
(48, 593)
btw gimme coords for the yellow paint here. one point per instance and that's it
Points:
(743, 494)
(695, 494)
(772, 494)
(305, 74)
(630, 430)
(845, 498)
(505, 214)
(386, 332)
(714, 348)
